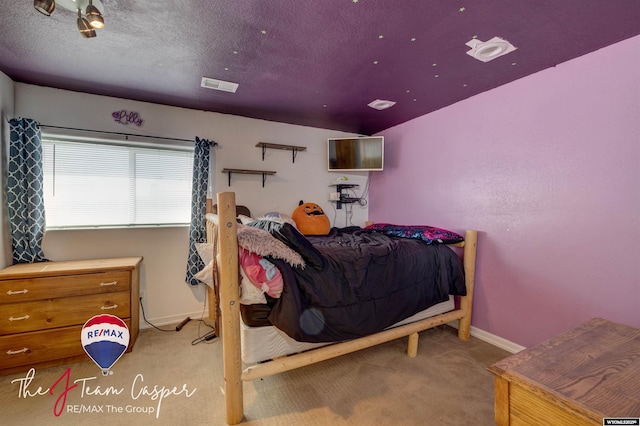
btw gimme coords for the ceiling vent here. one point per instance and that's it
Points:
(489, 50)
(381, 104)
(225, 86)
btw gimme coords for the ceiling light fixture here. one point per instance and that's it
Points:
(93, 11)
(489, 50)
(381, 104)
(46, 7)
(84, 27)
(94, 16)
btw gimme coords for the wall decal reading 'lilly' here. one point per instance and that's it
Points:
(125, 117)
(105, 338)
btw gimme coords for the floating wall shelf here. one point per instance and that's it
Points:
(294, 149)
(344, 198)
(264, 173)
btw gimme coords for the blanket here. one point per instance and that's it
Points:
(366, 282)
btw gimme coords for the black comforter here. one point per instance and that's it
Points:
(365, 282)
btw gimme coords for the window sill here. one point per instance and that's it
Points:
(106, 227)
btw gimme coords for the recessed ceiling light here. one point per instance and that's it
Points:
(381, 104)
(215, 84)
(489, 50)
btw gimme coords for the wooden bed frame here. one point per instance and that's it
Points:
(226, 315)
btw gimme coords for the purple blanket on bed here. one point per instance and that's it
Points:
(365, 283)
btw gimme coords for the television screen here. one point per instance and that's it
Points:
(356, 154)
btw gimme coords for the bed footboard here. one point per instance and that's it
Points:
(228, 269)
(469, 260)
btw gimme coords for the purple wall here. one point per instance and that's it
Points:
(547, 168)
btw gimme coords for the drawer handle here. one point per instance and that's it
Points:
(21, 351)
(11, 292)
(106, 284)
(19, 318)
(104, 308)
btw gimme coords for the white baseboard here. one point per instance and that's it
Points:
(505, 344)
(497, 341)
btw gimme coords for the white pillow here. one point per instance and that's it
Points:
(245, 219)
(205, 251)
(212, 217)
(249, 293)
(206, 274)
(279, 218)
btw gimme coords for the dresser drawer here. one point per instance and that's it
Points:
(28, 289)
(29, 349)
(52, 313)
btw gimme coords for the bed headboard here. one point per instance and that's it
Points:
(240, 210)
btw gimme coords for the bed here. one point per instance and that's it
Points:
(251, 353)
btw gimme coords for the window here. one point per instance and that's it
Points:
(88, 184)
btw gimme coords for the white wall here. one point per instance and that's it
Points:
(6, 113)
(167, 298)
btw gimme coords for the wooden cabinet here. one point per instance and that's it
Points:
(579, 377)
(43, 307)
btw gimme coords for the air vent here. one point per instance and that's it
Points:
(225, 86)
(489, 50)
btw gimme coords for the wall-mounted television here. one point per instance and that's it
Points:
(356, 154)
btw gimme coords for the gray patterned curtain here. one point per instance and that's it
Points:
(25, 200)
(197, 229)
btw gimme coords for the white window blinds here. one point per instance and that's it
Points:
(89, 184)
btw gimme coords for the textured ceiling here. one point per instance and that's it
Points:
(316, 63)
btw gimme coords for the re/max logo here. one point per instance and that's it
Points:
(621, 421)
(104, 332)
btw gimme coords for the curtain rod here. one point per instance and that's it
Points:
(126, 135)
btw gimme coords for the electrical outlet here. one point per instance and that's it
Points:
(142, 294)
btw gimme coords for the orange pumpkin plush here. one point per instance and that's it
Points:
(310, 219)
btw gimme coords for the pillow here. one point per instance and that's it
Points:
(244, 219)
(290, 236)
(278, 217)
(205, 251)
(310, 219)
(428, 234)
(205, 274)
(263, 243)
(249, 293)
(213, 218)
(262, 273)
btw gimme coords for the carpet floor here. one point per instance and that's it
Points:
(168, 380)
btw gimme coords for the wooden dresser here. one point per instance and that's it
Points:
(43, 307)
(579, 377)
